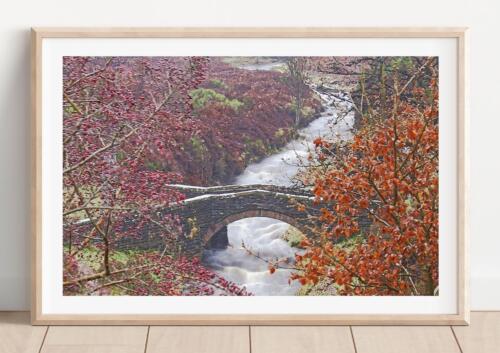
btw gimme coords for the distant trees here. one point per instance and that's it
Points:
(297, 79)
(241, 116)
(372, 78)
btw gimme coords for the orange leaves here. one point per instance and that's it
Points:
(412, 133)
(304, 244)
(318, 142)
(363, 203)
(345, 198)
(318, 189)
(389, 174)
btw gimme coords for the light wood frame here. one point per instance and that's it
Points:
(462, 316)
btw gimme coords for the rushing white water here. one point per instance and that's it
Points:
(263, 235)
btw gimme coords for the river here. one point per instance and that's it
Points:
(264, 235)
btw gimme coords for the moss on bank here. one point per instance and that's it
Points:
(293, 237)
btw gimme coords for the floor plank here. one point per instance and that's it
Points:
(95, 339)
(401, 339)
(17, 335)
(299, 339)
(483, 334)
(198, 339)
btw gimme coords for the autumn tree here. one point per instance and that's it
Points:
(379, 191)
(120, 114)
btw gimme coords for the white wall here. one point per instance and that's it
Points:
(16, 17)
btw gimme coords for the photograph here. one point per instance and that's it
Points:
(250, 175)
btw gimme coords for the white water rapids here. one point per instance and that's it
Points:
(264, 235)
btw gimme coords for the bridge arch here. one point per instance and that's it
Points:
(216, 235)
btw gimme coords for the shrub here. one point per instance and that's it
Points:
(200, 97)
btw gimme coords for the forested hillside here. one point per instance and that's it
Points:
(241, 116)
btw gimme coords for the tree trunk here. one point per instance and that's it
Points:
(298, 106)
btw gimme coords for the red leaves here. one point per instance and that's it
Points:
(318, 142)
(119, 115)
(149, 273)
(272, 269)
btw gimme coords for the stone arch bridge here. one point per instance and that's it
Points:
(206, 211)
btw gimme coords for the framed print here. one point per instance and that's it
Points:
(239, 176)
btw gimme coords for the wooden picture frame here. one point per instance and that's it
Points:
(460, 317)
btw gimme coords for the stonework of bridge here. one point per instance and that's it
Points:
(206, 211)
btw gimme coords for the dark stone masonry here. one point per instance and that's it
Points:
(206, 212)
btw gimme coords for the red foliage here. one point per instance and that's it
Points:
(119, 114)
(153, 274)
(231, 138)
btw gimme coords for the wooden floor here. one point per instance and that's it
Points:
(17, 336)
